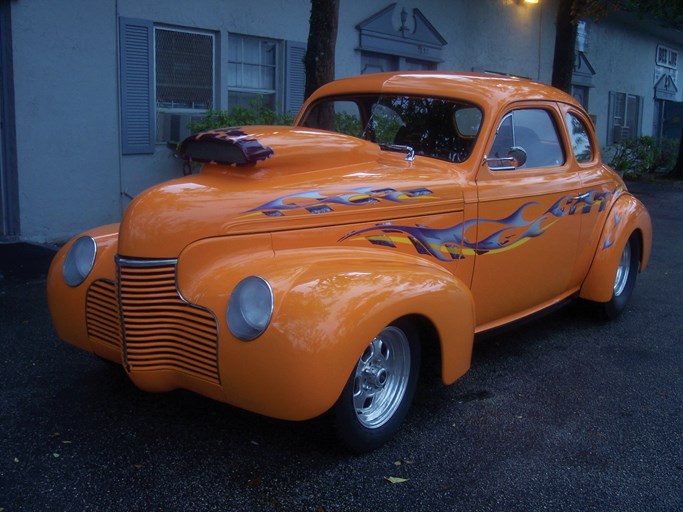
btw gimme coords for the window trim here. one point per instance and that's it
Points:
(278, 69)
(137, 106)
(636, 130)
(170, 28)
(558, 121)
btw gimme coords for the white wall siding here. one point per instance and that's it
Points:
(66, 100)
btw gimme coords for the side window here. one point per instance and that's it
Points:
(504, 140)
(532, 130)
(581, 141)
(536, 133)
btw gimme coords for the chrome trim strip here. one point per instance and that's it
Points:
(141, 263)
(126, 262)
(124, 345)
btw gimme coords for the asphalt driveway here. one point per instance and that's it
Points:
(565, 413)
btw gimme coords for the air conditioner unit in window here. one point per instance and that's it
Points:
(173, 127)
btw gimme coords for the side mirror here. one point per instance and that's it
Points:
(515, 157)
(518, 155)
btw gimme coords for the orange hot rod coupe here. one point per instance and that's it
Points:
(305, 269)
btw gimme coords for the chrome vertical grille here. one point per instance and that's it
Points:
(161, 330)
(102, 316)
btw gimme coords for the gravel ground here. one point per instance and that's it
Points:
(564, 413)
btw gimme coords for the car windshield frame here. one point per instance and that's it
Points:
(424, 125)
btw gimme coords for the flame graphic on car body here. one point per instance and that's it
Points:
(451, 243)
(316, 202)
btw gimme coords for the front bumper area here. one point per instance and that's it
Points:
(142, 320)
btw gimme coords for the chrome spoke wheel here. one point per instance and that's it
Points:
(624, 279)
(623, 271)
(380, 388)
(381, 377)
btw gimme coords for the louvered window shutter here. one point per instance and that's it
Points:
(137, 82)
(612, 136)
(296, 76)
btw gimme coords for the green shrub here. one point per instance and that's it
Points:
(347, 124)
(257, 113)
(644, 155)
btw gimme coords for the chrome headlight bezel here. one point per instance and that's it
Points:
(79, 261)
(250, 308)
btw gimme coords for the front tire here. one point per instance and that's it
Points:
(380, 389)
(624, 281)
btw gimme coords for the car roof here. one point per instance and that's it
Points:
(487, 90)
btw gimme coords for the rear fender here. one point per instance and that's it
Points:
(627, 216)
(329, 305)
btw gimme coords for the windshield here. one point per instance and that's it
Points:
(433, 127)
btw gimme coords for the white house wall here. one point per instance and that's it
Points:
(72, 173)
(487, 35)
(624, 61)
(67, 132)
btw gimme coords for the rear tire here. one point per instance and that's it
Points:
(380, 389)
(624, 281)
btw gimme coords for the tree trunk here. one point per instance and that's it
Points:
(322, 39)
(565, 40)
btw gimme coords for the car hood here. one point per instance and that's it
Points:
(307, 178)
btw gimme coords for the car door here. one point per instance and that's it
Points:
(527, 238)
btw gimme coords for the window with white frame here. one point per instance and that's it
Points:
(183, 69)
(252, 71)
(624, 116)
(183, 80)
(167, 79)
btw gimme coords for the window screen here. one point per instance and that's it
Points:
(184, 69)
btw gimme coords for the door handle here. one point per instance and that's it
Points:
(582, 197)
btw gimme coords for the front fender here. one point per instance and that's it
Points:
(627, 216)
(67, 304)
(329, 304)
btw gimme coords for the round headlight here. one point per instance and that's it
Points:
(250, 308)
(79, 260)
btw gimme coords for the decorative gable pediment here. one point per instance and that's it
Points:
(416, 38)
(665, 88)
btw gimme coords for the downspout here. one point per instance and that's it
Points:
(118, 105)
(540, 40)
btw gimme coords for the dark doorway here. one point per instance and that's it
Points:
(9, 219)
